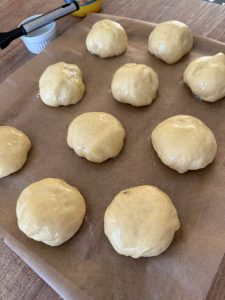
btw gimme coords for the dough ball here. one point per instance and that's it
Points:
(141, 222)
(135, 84)
(170, 41)
(106, 39)
(61, 84)
(206, 77)
(14, 147)
(96, 136)
(50, 211)
(184, 143)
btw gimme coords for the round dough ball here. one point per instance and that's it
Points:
(61, 84)
(135, 84)
(96, 136)
(184, 143)
(50, 211)
(170, 41)
(106, 39)
(141, 222)
(14, 147)
(206, 77)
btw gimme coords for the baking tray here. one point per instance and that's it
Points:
(87, 267)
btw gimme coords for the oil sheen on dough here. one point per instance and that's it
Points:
(50, 211)
(61, 84)
(170, 41)
(106, 39)
(206, 77)
(14, 147)
(141, 222)
(135, 84)
(96, 136)
(184, 143)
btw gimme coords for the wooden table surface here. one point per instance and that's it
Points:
(17, 280)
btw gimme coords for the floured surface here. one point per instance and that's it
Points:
(87, 265)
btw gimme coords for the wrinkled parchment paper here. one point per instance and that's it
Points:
(87, 267)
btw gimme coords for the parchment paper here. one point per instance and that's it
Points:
(87, 266)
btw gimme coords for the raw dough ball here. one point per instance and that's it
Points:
(170, 41)
(141, 221)
(96, 136)
(50, 211)
(106, 39)
(135, 84)
(184, 143)
(14, 147)
(206, 77)
(61, 84)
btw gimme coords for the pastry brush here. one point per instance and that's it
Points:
(7, 37)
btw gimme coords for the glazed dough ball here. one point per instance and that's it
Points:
(14, 147)
(206, 77)
(135, 84)
(184, 143)
(170, 41)
(61, 84)
(141, 222)
(106, 39)
(96, 136)
(50, 211)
